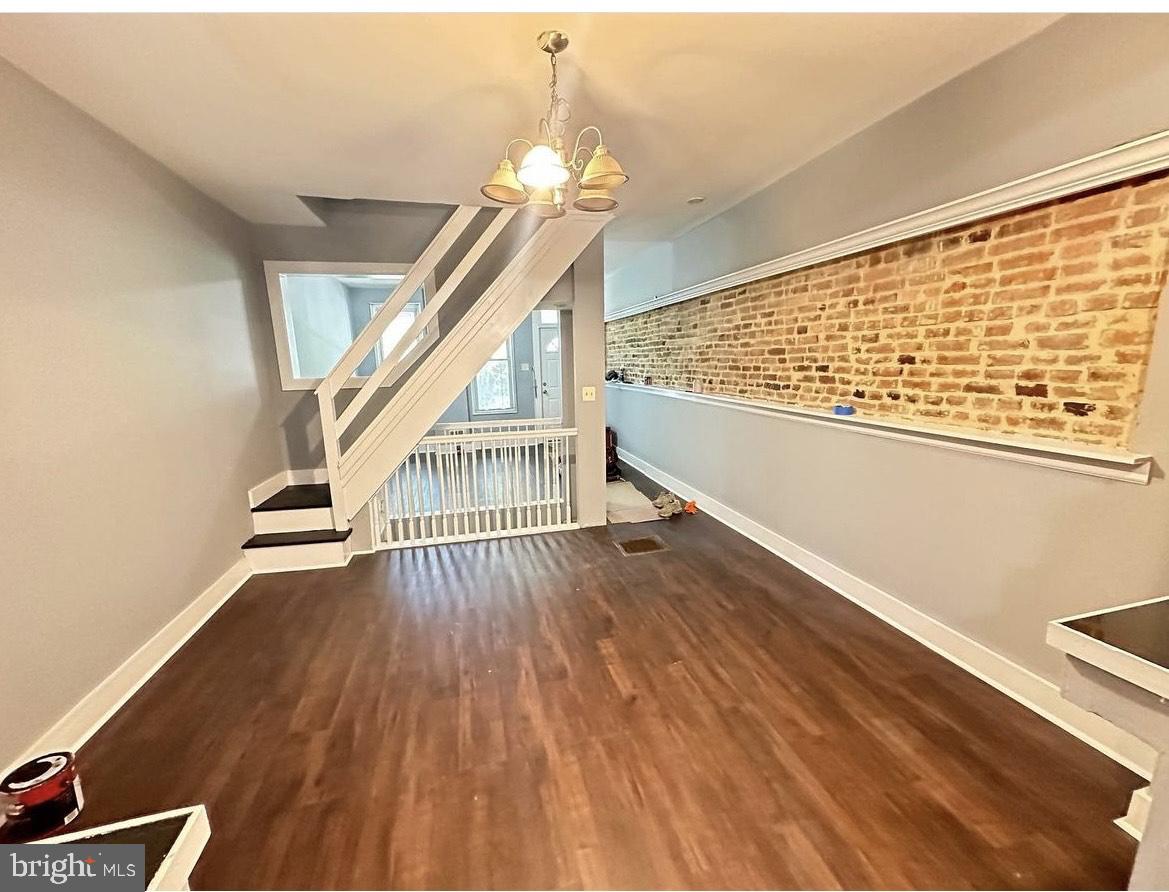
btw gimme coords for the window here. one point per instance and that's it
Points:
(493, 390)
(319, 309)
(396, 329)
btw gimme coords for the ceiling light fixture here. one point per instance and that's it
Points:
(545, 174)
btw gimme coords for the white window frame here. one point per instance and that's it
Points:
(515, 403)
(273, 269)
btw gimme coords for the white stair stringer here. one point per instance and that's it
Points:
(461, 353)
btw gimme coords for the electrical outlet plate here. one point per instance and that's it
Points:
(588, 394)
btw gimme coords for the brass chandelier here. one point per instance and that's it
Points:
(545, 174)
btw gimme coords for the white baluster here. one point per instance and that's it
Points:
(475, 483)
(442, 488)
(567, 481)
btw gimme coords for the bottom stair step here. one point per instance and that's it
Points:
(301, 537)
(299, 550)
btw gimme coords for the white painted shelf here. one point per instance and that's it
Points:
(1130, 467)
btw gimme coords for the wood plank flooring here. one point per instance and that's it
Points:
(545, 712)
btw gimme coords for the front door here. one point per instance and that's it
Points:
(548, 369)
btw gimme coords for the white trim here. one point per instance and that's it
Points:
(420, 272)
(1018, 683)
(391, 368)
(1130, 467)
(174, 871)
(301, 556)
(1086, 613)
(485, 536)
(95, 708)
(1121, 663)
(511, 374)
(272, 272)
(308, 476)
(292, 520)
(538, 361)
(261, 492)
(1134, 820)
(1141, 156)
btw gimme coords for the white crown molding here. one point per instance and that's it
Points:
(1129, 467)
(1145, 155)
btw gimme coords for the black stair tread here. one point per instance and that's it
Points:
(293, 498)
(303, 537)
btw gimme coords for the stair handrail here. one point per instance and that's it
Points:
(332, 383)
(537, 244)
(414, 279)
(394, 364)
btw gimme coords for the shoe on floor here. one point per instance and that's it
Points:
(670, 507)
(662, 498)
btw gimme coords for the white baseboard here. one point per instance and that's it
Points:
(281, 479)
(263, 491)
(1018, 683)
(1133, 823)
(307, 476)
(96, 707)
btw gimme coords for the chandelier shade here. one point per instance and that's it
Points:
(547, 172)
(603, 171)
(504, 186)
(594, 200)
(547, 203)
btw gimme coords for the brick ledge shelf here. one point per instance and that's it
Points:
(1129, 467)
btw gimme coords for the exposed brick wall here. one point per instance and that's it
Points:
(1036, 322)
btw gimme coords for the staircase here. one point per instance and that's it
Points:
(508, 261)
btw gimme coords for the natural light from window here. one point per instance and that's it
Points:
(324, 313)
(493, 390)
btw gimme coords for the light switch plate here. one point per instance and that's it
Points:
(588, 394)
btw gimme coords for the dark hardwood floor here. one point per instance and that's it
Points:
(545, 712)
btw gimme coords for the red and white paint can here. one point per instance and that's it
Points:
(41, 796)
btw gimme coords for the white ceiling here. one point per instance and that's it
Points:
(257, 109)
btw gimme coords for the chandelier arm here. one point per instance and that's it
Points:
(577, 165)
(507, 151)
(546, 129)
(578, 147)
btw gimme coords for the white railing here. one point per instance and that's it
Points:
(364, 440)
(334, 423)
(476, 484)
(494, 426)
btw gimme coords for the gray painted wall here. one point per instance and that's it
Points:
(136, 358)
(1086, 83)
(990, 548)
(588, 360)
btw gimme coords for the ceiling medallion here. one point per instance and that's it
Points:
(545, 174)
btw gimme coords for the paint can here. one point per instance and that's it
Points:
(40, 797)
